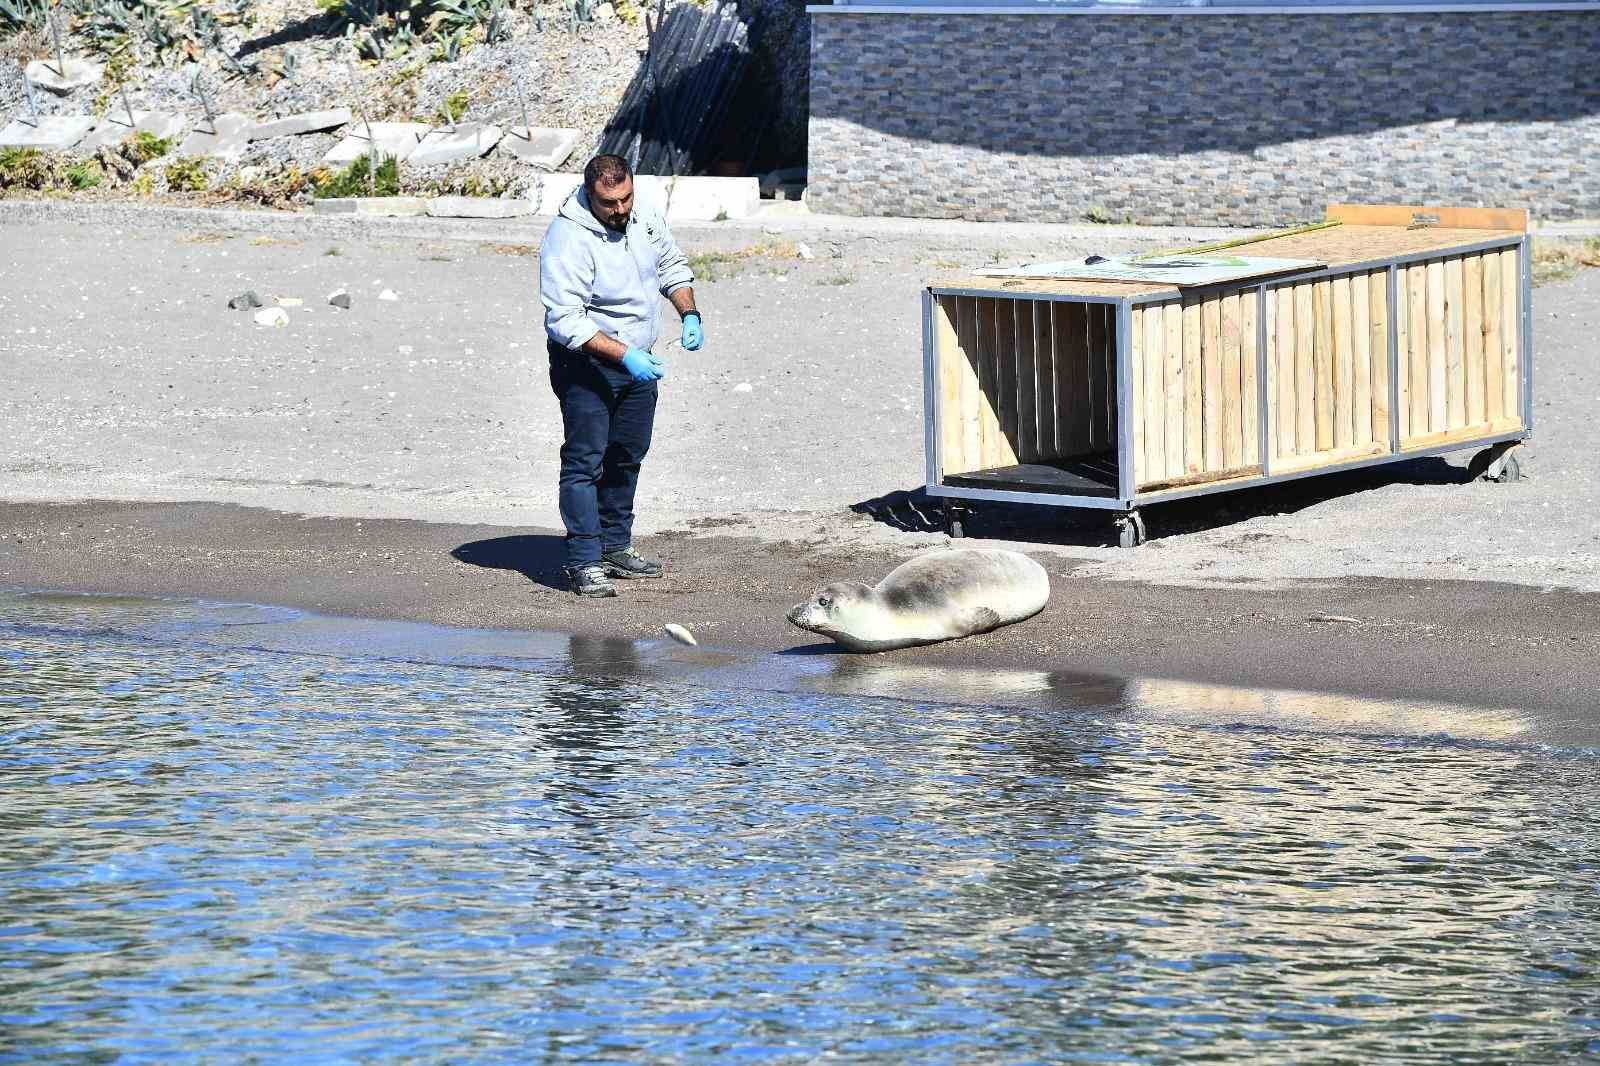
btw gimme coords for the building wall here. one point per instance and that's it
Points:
(1221, 119)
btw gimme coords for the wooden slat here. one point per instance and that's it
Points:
(1472, 361)
(1417, 353)
(1155, 405)
(1463, 433)
(1071, 408)
(1194, 457)
(1515, 219)
(1172, 344)
(1099, 381)
(1360, 360)
(1344, 373)
(1203, 478)
(1230, 402)
(1211, 382)
(1027, 384)
(1494, 368)
(1378, 312)
(971, 393)
(950, 360)
(1136, 357)
(1438, 348)
(1305, 371)
(1249, 383)
(1511, 332)
(1322, 350)
(989, 422)
(1045, 368)
(1455, 334)
(1329, 458)
(1112, 428)
(1402, 341)
(1286, 412)
(1005, 373)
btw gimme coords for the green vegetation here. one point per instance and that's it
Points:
(19, 15)
(838, 279)
(84, 175)
(455, 105)
(1098, 215)
(144, 146)
(353, 180)
(24, 168)
(187, 175)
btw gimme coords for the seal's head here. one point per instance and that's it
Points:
(834, 609)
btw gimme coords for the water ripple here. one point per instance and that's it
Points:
(215, 853)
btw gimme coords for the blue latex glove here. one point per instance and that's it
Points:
(694, 334)
(643, 366)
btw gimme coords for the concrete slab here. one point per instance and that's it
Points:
(554, 190)
(227, 140)
(397, 139)
(479, 207)
(113, 128)
(74, 74)
(712, 199)
(294, 125)
(53, 132)
(546, 148)
(373, 206)
(468, 140)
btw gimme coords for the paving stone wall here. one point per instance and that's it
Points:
(1219, 119)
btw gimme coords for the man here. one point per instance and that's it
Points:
(602, 264)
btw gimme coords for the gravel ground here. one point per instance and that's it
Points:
(128, 378)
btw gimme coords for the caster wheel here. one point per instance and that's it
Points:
(955, 525)
(1130, 530)
(1499, 463)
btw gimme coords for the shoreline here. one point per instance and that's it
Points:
(1463, 643)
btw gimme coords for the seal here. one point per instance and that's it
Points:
(939, 596)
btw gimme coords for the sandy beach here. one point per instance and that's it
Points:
(398, 460)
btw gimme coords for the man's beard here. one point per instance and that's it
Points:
(618, 224)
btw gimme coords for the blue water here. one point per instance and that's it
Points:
(240, 834)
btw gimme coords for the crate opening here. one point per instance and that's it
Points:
(1028, 394)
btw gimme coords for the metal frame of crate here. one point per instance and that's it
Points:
(1414, 340)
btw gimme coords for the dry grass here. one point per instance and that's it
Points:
(1555, 259)
(711, 266)
(205, 238)
(507, 249)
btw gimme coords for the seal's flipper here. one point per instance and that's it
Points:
(977, 620)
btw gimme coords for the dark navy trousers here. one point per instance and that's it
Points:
(607, 418)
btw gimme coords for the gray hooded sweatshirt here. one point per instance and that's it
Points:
(592, 278)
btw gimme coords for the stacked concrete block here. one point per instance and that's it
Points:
(52, 133)
(396, 139)
(468, 140)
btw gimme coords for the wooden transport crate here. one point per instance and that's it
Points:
(1414, 340)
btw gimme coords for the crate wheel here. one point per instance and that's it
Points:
(955, 516)
(1130, 530)
(1498, 462)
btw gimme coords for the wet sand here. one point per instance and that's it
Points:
(1472, 643)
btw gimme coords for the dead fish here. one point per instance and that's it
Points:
(680, 634)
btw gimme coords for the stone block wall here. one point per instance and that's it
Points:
(1202, 119)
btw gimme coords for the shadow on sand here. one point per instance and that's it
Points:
(537, 557)
(913, 511)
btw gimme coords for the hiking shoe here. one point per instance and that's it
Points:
(625, 562)
(591, 581)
